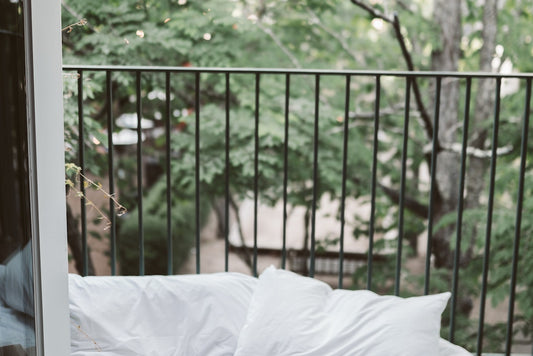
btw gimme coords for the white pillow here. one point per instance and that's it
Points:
(158, 315)
(294, 315)
(16, 281)
(446, 348)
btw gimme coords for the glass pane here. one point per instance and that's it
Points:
(17, 330)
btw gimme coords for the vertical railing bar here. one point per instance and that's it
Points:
(434, 148)
(488, 231)
(343, 183)
(460, 207)
(519, 205)
(110, 161)
(170, 247)
(226, 202)
(402, 186)
(373, 186)
(197, 166)
(315, 178)
(285, 169)
(256, 168)
(81, 143)
(139, 172)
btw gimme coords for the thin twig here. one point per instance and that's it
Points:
(76, 15)
(281, 46)
(70, 27)
(335, 35)
(119, 208)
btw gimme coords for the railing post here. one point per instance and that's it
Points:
(170, 246)
(408, 80)
(518, 224)
(315, 178)
(227, 176)
(112, 215)
(432, 191)
(343, 181)
(81, 153)
(285, 169)
(375, 148)
(197, 165)
(256, 169)
(139, 172)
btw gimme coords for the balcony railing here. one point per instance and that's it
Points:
(383, 134)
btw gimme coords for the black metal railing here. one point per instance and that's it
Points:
(432, 92)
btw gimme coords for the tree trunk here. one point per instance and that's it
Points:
(447, 15)
(484, 105)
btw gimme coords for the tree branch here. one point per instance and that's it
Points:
(277, 41)
(416, 89)
(344, 45)
(395, 22)
(470, 151)
(372, 11)
(411, 204)
(366, 117)
(78, 16)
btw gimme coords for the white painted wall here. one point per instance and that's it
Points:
(50, 249)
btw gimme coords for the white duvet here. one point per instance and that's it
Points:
(233, 314)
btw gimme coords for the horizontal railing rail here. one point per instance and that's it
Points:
(391, 73)
(395, 152)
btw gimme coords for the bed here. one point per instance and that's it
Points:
(223, 314)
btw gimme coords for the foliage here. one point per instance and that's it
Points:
(155, 231)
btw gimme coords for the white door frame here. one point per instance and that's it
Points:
(47, 177)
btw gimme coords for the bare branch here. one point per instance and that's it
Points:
(416, 89)
(395, 22)
(363, 118)
(411, 204)
(78, 16)
(71, 168)
(470, 151)
(404, 6)
(335, 35)
(69, 28)
(372, 11)
(277, 41)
